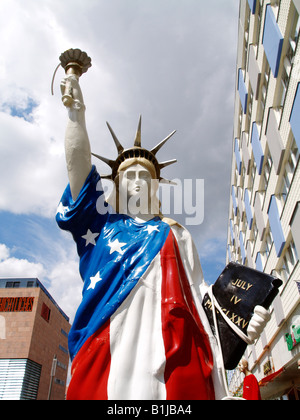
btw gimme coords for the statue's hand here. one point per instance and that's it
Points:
(71, 92)
(258, 322)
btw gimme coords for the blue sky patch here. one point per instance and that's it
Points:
(23, 110)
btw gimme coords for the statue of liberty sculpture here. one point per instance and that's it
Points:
(140, 332)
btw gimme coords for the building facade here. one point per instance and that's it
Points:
(264, 211)
(33, 342)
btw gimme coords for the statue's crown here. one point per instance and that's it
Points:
(136, 152)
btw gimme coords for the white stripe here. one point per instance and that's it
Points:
(136, 342)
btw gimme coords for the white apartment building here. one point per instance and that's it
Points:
(264, 211)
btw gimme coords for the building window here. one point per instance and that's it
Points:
(257, 26)
(267, 245)
(242, 90)
(275, 225)
(294, 156)
(266, 171)
(289, 58)
(231, 232)
(252, 5)
(264, 89)
(63, 349)
(248, 209)
(234, 203)
(258, 262)
(64, 333)
(251, 178)
(249, 112)
(288, 174)
(286, 183)
(59, 381)
(246, 34)
(45, 313)
(294, 118)
(289, 261)
(284, 82)
(238, 156)
(254, 231)
(257, 148)
(242, 248)
(294, 34)
(61, 365)
(14, 284)
(292, 254)
(229, 253)
(20, 379)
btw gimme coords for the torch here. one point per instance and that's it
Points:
(76, 62)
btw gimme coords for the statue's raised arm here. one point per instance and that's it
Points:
(77, 145)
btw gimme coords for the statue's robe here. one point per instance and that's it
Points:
(140, 331)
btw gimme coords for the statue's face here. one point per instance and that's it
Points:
(137, 189)
(136, 180)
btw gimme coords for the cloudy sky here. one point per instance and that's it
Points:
(173, 61)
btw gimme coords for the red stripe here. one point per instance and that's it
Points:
(90, 368)
(189, 358)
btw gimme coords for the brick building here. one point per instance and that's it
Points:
(33, 331)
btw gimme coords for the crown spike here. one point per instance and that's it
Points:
(167, 163)
(120, 148)
(138, 136)
(159, 145)
(109, 162)
(167, 181)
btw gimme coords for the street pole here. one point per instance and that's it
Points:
(52, 374)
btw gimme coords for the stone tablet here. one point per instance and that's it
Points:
(238, 290)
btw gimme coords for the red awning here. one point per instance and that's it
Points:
(264, 381)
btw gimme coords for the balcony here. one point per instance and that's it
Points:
(245, 152)
(259, 216)
(272, 41)
(249, 254)
(240, 201)
(254, 71)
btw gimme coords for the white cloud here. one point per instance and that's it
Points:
(32, 170)
(4, 252)
(66, 286)
(14, 267)
(61, 278)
